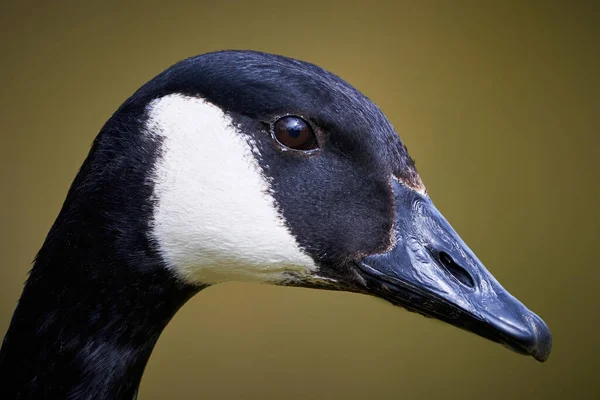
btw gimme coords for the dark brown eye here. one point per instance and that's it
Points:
(295, 133)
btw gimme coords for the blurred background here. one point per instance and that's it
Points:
(498, 102)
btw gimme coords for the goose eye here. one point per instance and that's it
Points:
(295, 133)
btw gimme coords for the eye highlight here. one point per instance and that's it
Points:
(295, 133)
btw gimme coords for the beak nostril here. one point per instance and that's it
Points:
(456, 270)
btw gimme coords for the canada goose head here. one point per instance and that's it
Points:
(246, 166)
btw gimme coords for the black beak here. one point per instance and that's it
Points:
(430, 270)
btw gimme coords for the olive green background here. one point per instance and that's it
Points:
(498, 102)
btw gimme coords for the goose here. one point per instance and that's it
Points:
(237, 166)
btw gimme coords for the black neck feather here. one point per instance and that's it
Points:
(72, 338)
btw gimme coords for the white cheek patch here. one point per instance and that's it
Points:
(215, 220)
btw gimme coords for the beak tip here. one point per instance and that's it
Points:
(543, 343)
(523, 332)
